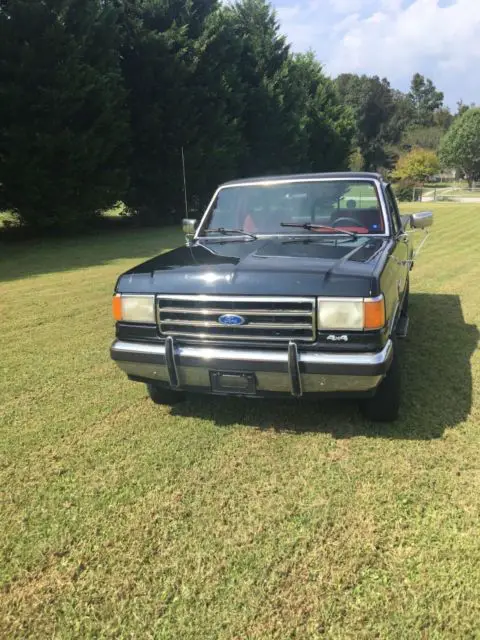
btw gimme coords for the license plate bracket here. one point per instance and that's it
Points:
(233, 383)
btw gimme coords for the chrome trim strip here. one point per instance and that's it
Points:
(208, 298)
(249, 325)
(120, 346)
(214, 353)
(135, 295)
(348, 299)
(361, 359)
(339, 299)
(250, 355)
(237, 336)
(243, 312)
(269, 182)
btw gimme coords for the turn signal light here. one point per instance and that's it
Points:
(117, 308)
(134, 308)
(374, 313)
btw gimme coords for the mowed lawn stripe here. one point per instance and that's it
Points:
(226, 518)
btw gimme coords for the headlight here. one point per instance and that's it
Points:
(140, 309)
(340, 314)
(350, 314)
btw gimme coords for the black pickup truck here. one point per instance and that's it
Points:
(288, 286)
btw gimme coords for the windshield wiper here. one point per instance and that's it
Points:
(227, 232)
(314, 227)
(310, 240)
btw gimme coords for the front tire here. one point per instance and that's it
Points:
(384, 406)
(164, 395)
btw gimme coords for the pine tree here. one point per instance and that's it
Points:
(63, 122)
(325, 128)
(263, 55)
(179, 74)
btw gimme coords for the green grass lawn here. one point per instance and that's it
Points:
(226, 518)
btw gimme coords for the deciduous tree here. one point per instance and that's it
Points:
(423, 137)
(373, 104)
(417, 166)
(460, 148)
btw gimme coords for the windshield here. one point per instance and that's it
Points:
(351, 205)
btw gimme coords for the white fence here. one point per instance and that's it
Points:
(446, 194)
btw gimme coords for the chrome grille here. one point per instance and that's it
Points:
(276, 319)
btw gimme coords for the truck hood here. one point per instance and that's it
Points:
(266, 266)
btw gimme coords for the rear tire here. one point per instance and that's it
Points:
(384, 406)
(164, 395)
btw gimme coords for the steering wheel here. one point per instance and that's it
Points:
(340, 222)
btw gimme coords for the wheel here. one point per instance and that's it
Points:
(385, 404)
(164, 395)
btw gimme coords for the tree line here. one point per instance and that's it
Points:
(410, 136)
(99, 97)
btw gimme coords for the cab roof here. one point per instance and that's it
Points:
(342, 175)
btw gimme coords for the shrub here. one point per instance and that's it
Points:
(404, 190)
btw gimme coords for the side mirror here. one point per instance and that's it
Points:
(189, 225)
(421, 220)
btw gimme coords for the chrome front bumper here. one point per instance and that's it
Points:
(287, 371)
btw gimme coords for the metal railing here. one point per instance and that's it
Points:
(446, 194)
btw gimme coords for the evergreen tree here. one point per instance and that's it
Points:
(63, 122)
(89, 83)
(291, 119)
(261, 64)
(373, 105)
(325, 127)
(425, 99)
(179, 97)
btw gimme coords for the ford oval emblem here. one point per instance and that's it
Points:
(231, 319)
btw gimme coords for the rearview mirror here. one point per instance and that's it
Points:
(189, 225)
(421, 220)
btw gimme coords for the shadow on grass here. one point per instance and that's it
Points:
(437, 386)
(52, 255)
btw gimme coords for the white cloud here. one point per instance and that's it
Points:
(347, 6)
(394, 38)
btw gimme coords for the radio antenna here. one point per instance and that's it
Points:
(184, 184)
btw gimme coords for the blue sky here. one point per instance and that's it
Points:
(392, 38)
